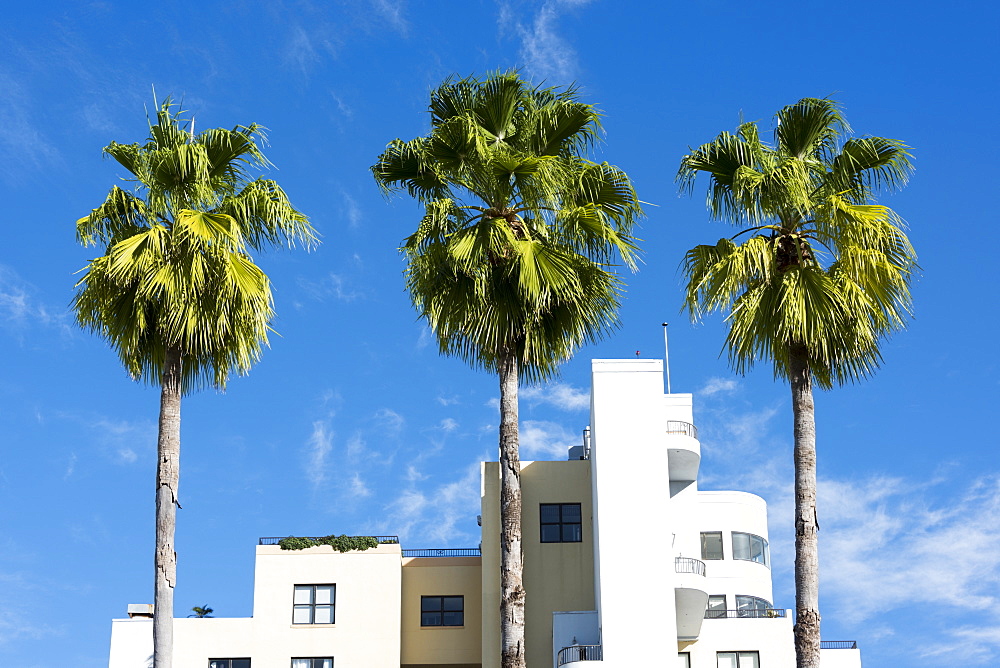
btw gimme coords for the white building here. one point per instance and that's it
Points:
(627, 564)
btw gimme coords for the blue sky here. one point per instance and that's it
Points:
(352, 423)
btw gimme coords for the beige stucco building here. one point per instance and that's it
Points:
(627, 563)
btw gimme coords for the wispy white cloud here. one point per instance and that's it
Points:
(23, 145)
(546, 440)
(718, 385)
(545, 52)
(336, 286)
(448, 425)
(393, 13)
(124, 441)
(389, 420)
(431, 515)
(318, 449)
(562, 396)
(20, 309)
(351, 210)
(358, 488)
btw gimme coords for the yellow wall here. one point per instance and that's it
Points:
(442, 645)
(557, 576)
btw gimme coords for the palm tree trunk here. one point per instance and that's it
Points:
(511, 553)
(168, 451)
(807, 617)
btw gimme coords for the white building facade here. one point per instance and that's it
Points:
(627, 564)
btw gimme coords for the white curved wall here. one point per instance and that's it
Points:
(728, 512)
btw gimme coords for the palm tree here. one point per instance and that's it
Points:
(822, 277)
(176, 293)
(510, 265)
(201, 612)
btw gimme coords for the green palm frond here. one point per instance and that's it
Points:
(176, 273)
(514, 251)
(823, 267)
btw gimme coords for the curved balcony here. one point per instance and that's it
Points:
(576, 653)
(689, 565)
(690, 597)
(683, 450)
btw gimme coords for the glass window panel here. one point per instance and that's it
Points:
(749, 660)
(218, 664)
(430, 619)
(757, 549)
(717, 602)
(301, 663)
(301, 614)
(454, 618)
(453, 603)
(324, 614)
(323, 663)
(550, 533)
(303, 594)
(727, 660)
(711, 545)
(571, 512)
(240, 663)
(741, 545)
(324, 594)
(550, 513)
(430, 603)
(571, 533)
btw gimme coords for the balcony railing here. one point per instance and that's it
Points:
(685, 428)
(448, 552)
(273, 540)
(838, 644)
(744, 614)
(579, 653)
(689, 565)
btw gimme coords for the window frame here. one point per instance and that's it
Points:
(722, 549)
(758, 610)
(441, 611)
(312, 660)
(683, 659)
(312, 605)
(561, 523)
(709, 610)
(738, 655)
(764, 554)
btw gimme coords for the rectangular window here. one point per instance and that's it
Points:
(716, 607)
(229, 663)
(313, 604)
(683, 659)
(442, 611)
(561, 523)
(750, 547)
(324, 662)
(751, 606)
(711, 545)
(738, 660)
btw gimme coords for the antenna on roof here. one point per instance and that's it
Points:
(666, 355)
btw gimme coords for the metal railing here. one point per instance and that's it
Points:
(838, 644)
(745, 614)
(678, 427)
(273, 540)
(579, 653)
(689, 565)
(447, 552)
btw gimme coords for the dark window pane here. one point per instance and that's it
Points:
(711, 545)
(571, 512)
(453, 603)
(550, 533)
(454, 619)
(241, 663)
(430, 603)
(571, 533)
(430, 619)
(550, 513)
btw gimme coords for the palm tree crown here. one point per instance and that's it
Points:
(177, 272)
(824, 268)
(512, 255)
